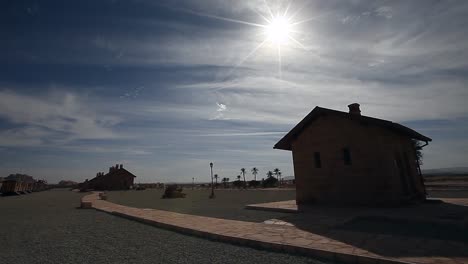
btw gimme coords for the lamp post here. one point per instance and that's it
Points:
(193, 182)
(212, 195)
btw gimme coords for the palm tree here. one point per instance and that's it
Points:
(238, 177)
(224, 181)
(216, 179)
(269, 174)
(255, 172)
(243, 173)
(270, 181)
(278, 174)
(281, 178)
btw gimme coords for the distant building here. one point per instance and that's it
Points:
(16, 187)
(117, 178)
(288, 181)
(345, 158)
(17, 184)
(20, 177)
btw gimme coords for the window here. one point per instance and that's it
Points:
(318, 162)
(347, 156)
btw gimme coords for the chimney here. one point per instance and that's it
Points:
(110, 169)
(354, 109)
(121, 166)
(116, 166)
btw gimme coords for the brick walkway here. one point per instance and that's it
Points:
(337, 245)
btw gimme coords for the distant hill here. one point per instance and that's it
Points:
(67, 183)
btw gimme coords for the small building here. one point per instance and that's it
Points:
(17, 184)
(12, 187)
(348, 159)
(288, 181)
(117, 178)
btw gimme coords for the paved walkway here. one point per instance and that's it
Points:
(337, 245)
(289, 206)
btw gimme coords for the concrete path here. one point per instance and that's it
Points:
(342, 246)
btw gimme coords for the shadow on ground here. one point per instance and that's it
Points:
(435, 229)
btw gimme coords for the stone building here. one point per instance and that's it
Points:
(349, 159)
(12, 187)
(17, 184)
(117, 178)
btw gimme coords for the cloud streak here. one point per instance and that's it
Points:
(57, 117)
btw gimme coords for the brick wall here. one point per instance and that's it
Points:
(373, 176)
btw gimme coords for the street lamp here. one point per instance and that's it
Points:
(212, 195)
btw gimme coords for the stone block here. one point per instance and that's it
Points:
(103, 196)
(86, 205)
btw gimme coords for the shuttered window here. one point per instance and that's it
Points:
(347, 156)
(318, 161)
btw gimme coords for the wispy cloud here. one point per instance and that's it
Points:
(247, 134)
(53, 117)
(384, 11)
(219, 112)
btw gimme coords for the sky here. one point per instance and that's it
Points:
(166, 87)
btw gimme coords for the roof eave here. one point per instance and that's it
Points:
(285, 142)
(282, 147)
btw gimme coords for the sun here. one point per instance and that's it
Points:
(279, 30)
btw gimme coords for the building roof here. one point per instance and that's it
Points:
(120, 171)
(285, 142)
(20, 178)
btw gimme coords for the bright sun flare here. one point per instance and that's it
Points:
(278, 30)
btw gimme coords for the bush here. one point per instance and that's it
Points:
(254, 184)
(270, 182)
(173, 191)
(238, 183)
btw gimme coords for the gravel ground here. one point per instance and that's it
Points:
(47, 228)
(228, 204)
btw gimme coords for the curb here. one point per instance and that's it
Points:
(270, 209)
(269, 246)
